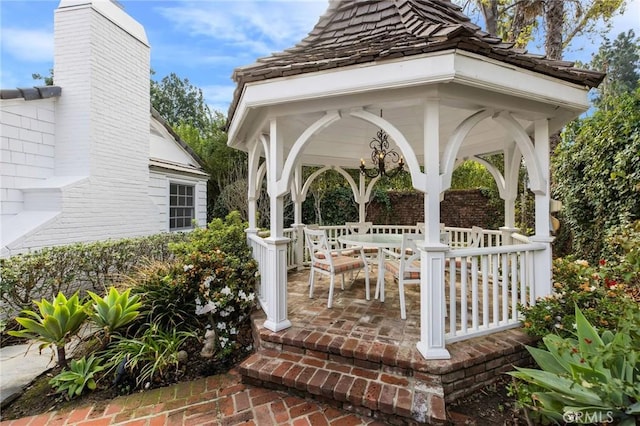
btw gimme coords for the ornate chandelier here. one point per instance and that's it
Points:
(380, 156)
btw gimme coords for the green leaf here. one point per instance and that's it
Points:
(546, 361)
(567, 387)
(588, 338)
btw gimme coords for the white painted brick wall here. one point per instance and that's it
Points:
(27, 149)
(99, 129)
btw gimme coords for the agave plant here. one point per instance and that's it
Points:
(55, 323)
(588, 379)
(79, 377)
(114, 310)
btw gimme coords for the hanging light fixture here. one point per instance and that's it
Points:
(380, 156)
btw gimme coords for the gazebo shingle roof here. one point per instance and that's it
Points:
(360, 31)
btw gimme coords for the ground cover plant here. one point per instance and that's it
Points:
(148, 328)
(589, 359)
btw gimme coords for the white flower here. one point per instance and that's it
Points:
(242, 295)
(226, 290)
(187, 267)
(251, 297)
(204, 309)
(208, 281)
(224, 313)
(230, 309)
(221, 326)
(233, 331)
(223, 341)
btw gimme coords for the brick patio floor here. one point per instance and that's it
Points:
(215, 400)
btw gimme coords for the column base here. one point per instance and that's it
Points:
(432, 353)
(276, 326)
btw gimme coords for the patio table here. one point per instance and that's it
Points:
(379, 241)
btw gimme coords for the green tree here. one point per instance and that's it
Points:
(48, 79)
(183, 106)
(621, 61)
(560, 21)
(597, 170)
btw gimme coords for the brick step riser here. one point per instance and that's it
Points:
(364, 391)
(377, 356)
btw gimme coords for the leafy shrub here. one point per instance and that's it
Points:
(576, 283)
(55, 323)
(114, 310)
(166, 298)
(623, 252)
(79, 377)
(590, 378)
(225, 235)
(151, 357)
(81, 266)
(225, 295)
(221, 274)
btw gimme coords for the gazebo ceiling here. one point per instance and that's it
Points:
(390, 55)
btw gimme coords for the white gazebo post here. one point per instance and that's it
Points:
(298, 198)
(362, 202)
(276, 268)
(542, 258)
(432, 252)
(252, 187)
(511, 173)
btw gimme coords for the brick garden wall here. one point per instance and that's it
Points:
(460, 208)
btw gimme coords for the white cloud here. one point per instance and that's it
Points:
(219, 96)
(251, 27)
(28, 45)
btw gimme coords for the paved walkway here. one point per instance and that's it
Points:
(215, 400)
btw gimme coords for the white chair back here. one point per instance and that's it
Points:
(358, 228)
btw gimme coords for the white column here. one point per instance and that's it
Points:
(542, 259)
(297, 198)
(432, 252)
(362, 202)
(252, 186)
(511, 173)
(276, 268)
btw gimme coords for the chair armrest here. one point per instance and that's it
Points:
(392, 253)
(347, 249)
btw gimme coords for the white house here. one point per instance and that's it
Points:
(88, 159)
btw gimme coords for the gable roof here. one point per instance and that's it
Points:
(361, 31)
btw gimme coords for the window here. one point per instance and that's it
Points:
(181, 207)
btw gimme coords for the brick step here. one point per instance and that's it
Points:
(372, 392)
(345, 350)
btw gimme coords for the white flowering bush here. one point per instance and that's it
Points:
(219, 267)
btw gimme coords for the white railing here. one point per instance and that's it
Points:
(292, 234)
(520, 239)
(485, 287)
(259, 250)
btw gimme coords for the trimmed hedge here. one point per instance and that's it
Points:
(81, 266)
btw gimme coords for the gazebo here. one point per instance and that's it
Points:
(444, 91)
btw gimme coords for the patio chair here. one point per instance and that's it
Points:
(358, 228)
(328, 261)
(476, 237)
(404, 266)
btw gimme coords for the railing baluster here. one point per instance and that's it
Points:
(505, 288)
(474, 290)
(464, 309)
(496, 302)
(514, 286)
(453, 314)
(485, 291)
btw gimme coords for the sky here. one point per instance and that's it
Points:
(201, 40)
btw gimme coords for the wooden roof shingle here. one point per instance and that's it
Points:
(360, 31)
